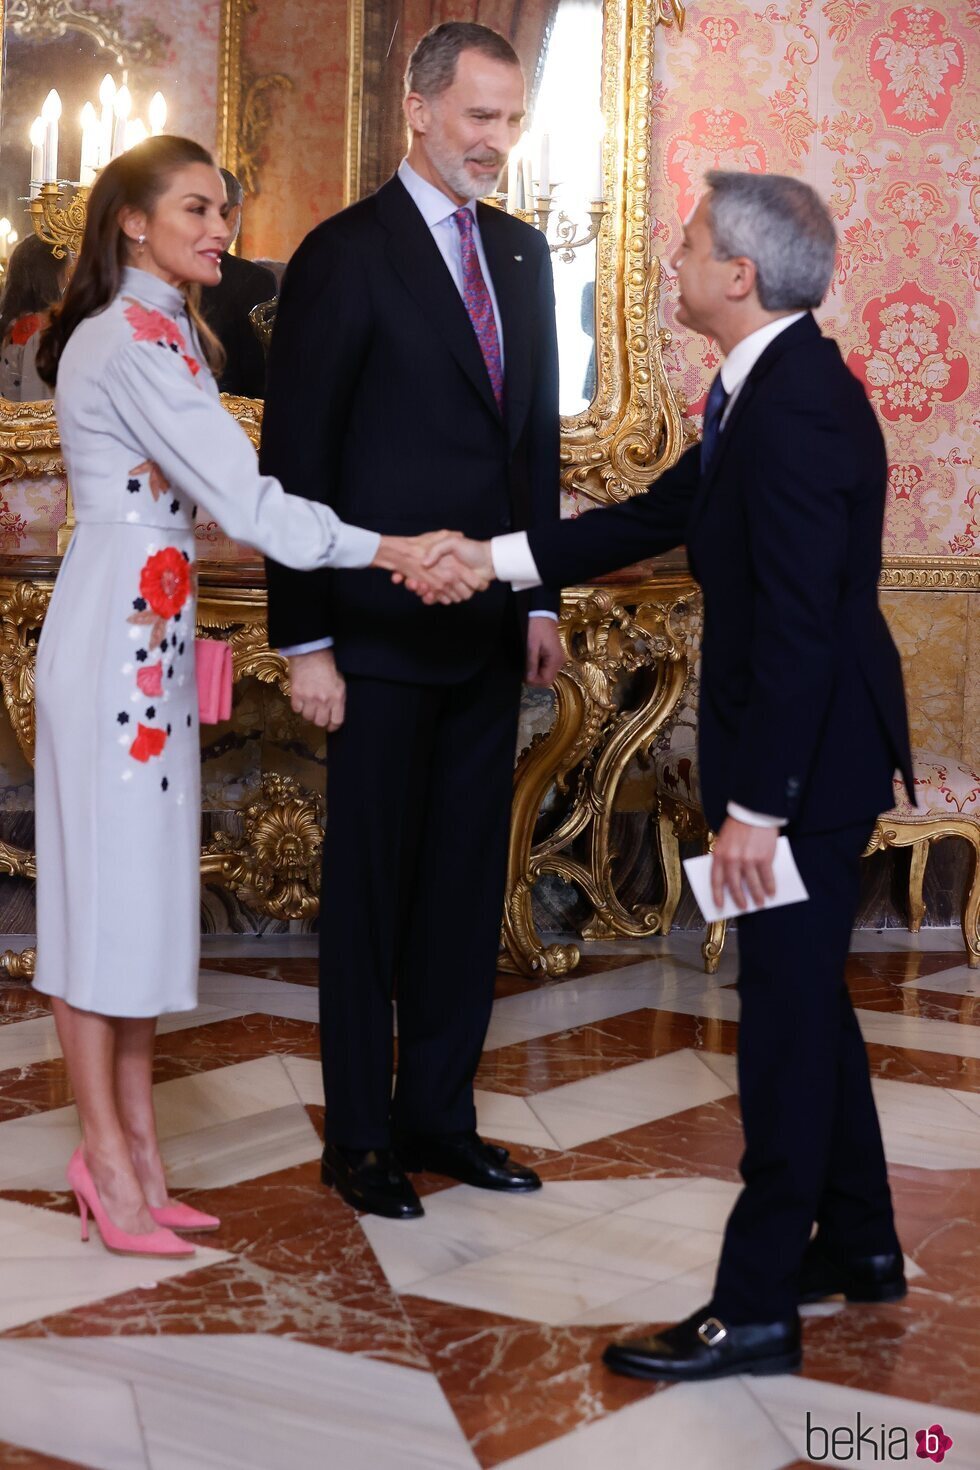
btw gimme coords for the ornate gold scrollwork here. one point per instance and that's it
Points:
(18, 964)
(276, 867)
(244, 99)
(610, 634)
(22, 610)
(920, 836)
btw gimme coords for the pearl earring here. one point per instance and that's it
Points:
(140, 241)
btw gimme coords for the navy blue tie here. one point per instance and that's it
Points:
(713, 413)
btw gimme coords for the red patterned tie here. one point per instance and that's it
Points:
(476, 299)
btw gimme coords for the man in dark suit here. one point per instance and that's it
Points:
(413, 380)
(802, 725)
(226, 306)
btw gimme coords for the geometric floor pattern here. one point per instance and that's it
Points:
(307, 1336)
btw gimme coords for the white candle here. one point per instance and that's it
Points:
(107, 96)
(136, 132)
(120, 109)
(526, 173)
(158, 113)
(90, 146)
(37, 155)
(511, 184)
(50, 113)
(544, 167)
(4, 238)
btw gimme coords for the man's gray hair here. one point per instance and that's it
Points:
(432, 65)
(780, 224)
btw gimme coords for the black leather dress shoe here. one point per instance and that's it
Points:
(373, 1181)
(705, 1347)
(465, 1156)
(858, 1278)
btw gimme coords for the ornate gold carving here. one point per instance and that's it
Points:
(605, 714)
(355, 91)
(60, 226)
(244, 99)
(632, 430)
(17, 862)
(931, 573)
(277, 865)
(18, 965)
(256, 118)
(48, 20)
(22, 610)
(890, 832)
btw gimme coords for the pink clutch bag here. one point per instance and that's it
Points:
(213, 663)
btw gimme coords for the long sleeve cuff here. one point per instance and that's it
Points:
(355, 547)
(513, 562)
(544, 612)
(295, 649)
(753, 819)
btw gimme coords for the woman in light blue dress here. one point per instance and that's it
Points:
(145, 442)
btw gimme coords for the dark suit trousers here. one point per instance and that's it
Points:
(419, 790)
(813, 1150)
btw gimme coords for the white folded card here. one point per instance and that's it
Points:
(789, 885)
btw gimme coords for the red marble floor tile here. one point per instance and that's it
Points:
(15, 1457)
(516, 1385)
(298, 970)
(20, 1002)
(588, 1051)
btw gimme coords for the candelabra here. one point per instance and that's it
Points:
(567, 239)
(60, 226)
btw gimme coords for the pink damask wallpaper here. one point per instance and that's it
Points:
(876, 105)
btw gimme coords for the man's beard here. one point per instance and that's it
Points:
(453, 171)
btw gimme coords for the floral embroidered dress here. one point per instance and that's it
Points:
(117, 769)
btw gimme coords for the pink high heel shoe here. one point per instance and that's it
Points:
(150, 1243)
(183, 1217)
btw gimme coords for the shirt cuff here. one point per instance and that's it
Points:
(295, 649)
(753, 819)
(513, 562)
(544, 612)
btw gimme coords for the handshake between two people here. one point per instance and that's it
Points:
(440, 566)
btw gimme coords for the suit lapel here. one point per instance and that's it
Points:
(802, 331)
(510, 276)
(415, 257)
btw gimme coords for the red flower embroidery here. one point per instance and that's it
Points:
(24, 328)
(148, 742)
(150, 679)
(153, 326)
(165, 582)
(194, 366)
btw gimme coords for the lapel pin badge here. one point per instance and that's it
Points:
(518, 257)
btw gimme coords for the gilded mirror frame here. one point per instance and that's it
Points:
(29, 445)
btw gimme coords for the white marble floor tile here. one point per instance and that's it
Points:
(627, 1097)
(724, 1065)
(306, 1075)
(510, 1119)
(664, 1301)
(529, 1286)
(928, 1127)
(697, 1204)
(920, 1034)
(693, 1426)
(645, 1249)
(787, 1400)
(61, 1410)
(46, 1268)
(931, 940)
(23, 1043)
(264, 1403)
(960, 980)
(217, 1127)
(464, 1224)
(251, 993)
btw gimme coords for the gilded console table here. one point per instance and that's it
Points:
(625, 639)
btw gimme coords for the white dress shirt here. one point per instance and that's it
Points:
(512, 559)
(437, 209)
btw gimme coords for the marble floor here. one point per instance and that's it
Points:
(304, 1336)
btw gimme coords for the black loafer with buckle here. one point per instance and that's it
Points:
(704, 1346)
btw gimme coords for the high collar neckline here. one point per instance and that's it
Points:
(150, 288)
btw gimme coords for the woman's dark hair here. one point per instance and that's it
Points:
(134, 180)
(34, 282)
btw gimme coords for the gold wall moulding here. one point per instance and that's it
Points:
(244, 98)
(931, 573)
(49, 20)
